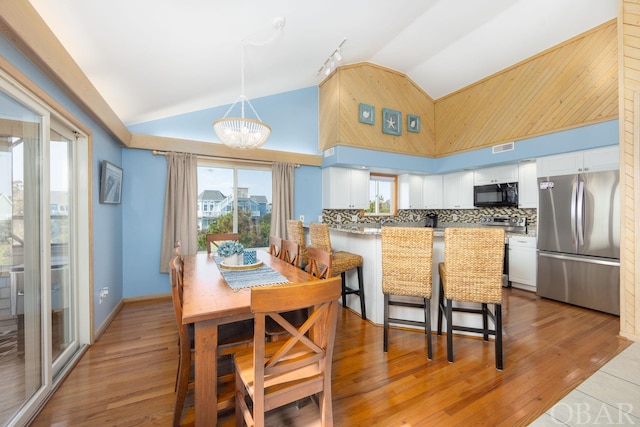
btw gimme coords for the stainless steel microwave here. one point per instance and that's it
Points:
(496, 195)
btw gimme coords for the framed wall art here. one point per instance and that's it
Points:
(413, 123)
(391, 122)
(110, 183)
(367, 114)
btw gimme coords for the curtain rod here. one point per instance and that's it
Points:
(227, 159)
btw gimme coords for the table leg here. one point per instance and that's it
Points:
(206, 373)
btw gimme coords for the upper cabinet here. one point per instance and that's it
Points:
(410, 191)
(527, 185)
(598, 159)
(432, 192)
(458, 190)
(496, 175)
(344, 188)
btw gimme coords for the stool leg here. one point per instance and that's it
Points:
(427, 327)
(386, 323)
(449, 330)
(361, 294)
(498, 316)
(440, 307)
(485, 322)
(344, 289)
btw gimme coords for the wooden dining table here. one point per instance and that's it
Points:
(209, 302)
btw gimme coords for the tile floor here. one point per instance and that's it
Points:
(611, 396)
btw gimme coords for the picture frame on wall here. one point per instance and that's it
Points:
(391, 122)
(367, 114)
(110, 183)
(413, 123)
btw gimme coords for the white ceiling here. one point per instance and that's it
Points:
(157, 58)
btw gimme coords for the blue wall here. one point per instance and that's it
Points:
(107, 219)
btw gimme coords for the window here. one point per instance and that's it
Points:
(382, 194)
(238, 200)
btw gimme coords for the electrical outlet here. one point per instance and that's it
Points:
(104, 293)
(319, 218)
(302, 218)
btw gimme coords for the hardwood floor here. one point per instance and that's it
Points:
(127, 377)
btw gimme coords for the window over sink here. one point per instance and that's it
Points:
(382, 194)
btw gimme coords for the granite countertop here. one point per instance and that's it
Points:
(374, 228)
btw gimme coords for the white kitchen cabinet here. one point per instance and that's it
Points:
(432, 195)
(522, 262)
(458, 190)
(410, 191)
(344, 188)
(595, 160)
(527, 185)
(496, 175)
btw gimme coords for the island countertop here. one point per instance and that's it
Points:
(375, 229)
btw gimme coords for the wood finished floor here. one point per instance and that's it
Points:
(127, 377)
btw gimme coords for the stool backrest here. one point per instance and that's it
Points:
(295, 232)
(319, 234)
(473, 260)
(407, 261)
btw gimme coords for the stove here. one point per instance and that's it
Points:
(514, 224)
(509, 224)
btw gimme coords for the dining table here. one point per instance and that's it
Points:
(209, 301)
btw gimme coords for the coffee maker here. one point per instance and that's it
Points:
(432, 220)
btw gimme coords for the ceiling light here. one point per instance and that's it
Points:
(241, 132)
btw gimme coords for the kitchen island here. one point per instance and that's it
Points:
(365, 240)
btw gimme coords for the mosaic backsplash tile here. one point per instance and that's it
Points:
(470, 216)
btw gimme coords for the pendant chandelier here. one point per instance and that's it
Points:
(242, 132)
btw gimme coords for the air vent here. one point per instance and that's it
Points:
(502, 148)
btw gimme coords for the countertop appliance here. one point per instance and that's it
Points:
(509, 224)
(432, 220)
(496, 195)
(579, 240)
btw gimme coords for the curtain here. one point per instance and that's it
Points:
(180, 207)
(282, 192)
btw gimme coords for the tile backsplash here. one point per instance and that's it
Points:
(470, 216)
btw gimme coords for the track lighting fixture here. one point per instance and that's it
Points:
(332, 61)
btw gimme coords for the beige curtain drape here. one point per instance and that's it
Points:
(180, 207)
(282, 192)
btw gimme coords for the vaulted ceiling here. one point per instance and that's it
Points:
(156, 58)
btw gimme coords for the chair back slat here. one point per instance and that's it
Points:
(319, 263)
(275, 246)
(295, 232)
(290, 252)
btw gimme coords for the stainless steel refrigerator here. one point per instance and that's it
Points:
(579, 240)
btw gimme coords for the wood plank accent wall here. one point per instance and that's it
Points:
(341, 94)
(629, 57)
(570, 85)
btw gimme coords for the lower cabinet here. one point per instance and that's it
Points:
(522, 262)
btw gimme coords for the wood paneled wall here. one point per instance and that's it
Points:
(570, 85)
(629, 57)
(341, 94)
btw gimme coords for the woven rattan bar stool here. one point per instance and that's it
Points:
(472, 272)
(295, 232)
(341, 263)
(407, 265)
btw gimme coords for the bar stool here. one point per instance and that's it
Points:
(341, 263)
(407, 264)
(295, 232)
(472, 272)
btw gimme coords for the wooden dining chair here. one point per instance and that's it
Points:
(319, 263)
(275, 245)
(407, 264)
(232, 337)
(216, 238)
(290, 252)
(276, 373)
(472, 273)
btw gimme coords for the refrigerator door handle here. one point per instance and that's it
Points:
(580, 213)
(591, 260)
(574, 196)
